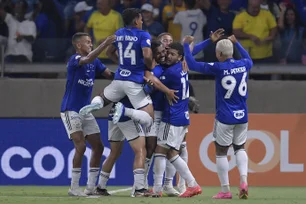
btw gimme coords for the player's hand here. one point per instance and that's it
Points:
(215, 36)
(171, 97)
(233, 39)
(188, 39)
(148, 81)
(185, 66)
(110, 39)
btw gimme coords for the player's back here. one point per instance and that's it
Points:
(79, 84)
(129, 43)
(176, 79)
(231, 91)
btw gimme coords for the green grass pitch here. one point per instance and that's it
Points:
(58, 195)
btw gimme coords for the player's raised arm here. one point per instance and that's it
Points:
(244, 54)
(214, 36)
(202, 67)
(147, 57)
(111, 52)
(94, 53)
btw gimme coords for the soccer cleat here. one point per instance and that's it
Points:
(90, 108)
(170, 191)
(243, 191)
(142, 193)
(76, 192)
(133, 192)
(181, 188)
(222, 195)
(118, 112)
(102, 192)
(89, 192)
(191, 191)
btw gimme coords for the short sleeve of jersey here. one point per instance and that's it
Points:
(145, 40)
(74, 62)
(90, 21)
(238, 21)
(99, 66)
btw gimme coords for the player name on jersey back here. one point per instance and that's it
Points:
(129, 43)
(231, 88)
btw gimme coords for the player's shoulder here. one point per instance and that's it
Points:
(74, 57)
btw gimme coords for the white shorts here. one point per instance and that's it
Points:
(171, 136)
(116, 90)
(225, 135)
(128, 130)
(74, 122)
(153, 130)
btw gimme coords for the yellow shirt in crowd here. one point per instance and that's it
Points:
(174, 29)
(104, 26)
(258, 26)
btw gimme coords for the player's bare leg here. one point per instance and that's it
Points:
(242, 165)
(222, 169)
(80, 148)
(182, 168)
(116, 149)
(97, 148)
(139, 147)
(151, 143)
(184, 155)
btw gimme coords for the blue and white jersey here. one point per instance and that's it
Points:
(80, 81)
(126, 102)
(176, 79)
(231, 78)
(129, 43)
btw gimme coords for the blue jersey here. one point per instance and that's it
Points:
(176, 79)
(80, 80)
(158, 96)
(231, 78)
(126, 102)
(129, 43)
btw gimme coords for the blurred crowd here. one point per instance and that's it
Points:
(273, 31)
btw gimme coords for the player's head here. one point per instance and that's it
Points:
(132, 17)
(159, 51)
(175, 53)
(224, 50)
(166, 39)
(82, 43)
(190, 4)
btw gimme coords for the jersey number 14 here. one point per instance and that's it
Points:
(128, 53)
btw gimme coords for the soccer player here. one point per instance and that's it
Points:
(159, 54)
(81, 70)
(175, 120)
(133, 133)
(231, 123)
(134, 57)
(166, 39)
(192, 22)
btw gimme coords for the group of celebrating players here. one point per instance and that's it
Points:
(150, 95)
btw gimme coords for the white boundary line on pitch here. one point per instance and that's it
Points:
(50, 197)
